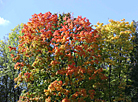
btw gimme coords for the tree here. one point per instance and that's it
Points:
(65, 56)
(7, 72)
(116, 44)
(133, 90)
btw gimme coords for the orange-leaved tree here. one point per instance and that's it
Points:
(65, 54)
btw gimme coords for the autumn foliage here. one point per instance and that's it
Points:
(62, 58)
(65, 52)
(116, 44)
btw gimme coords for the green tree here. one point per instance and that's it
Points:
(133, 90)
(7, 71)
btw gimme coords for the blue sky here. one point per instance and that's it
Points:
(14, 12)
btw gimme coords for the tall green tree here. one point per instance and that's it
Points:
(133, 90)
(7, 71)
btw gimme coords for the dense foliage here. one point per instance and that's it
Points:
(61, 58)
(7, 72)
(133, 90)
(116, 44)
(65, 54)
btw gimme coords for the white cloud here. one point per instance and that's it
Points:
(3, 21)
